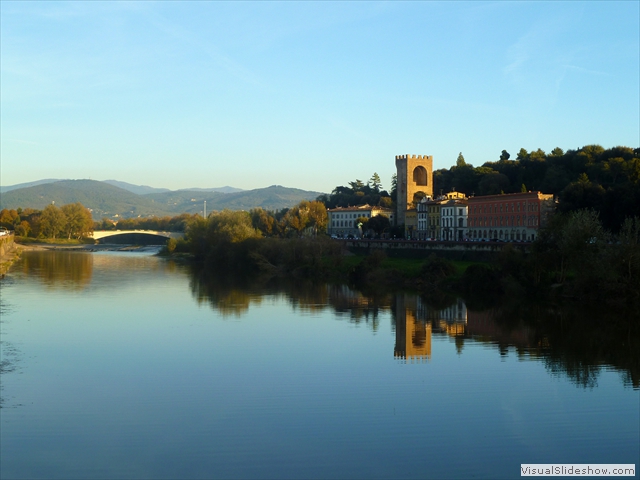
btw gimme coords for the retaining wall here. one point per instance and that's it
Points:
(472, 251)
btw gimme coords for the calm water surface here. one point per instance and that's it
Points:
(123, 365)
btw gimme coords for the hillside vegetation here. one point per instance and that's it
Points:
(106, 200)
(605, 180)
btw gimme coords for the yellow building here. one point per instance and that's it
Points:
(411, 224)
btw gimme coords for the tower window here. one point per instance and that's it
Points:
(420, 175)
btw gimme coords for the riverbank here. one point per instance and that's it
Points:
(10, 253)
(545, 273)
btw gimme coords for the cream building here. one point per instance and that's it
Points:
(343, 221)
(454, 214)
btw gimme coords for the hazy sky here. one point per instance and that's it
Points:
(303, 94)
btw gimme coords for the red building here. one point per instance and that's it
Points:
(508, 217)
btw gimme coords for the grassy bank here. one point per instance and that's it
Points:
(54, 241)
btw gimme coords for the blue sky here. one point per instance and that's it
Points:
(306, 94)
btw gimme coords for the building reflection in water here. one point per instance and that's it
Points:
(416, 321)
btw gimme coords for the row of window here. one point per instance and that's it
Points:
(503, 220)
(342, 223)
(350, 215)
(480, 209)
(501, 234)
(512, 207)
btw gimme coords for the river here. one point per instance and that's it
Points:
(126, 365)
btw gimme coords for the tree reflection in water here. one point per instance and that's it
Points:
(570, 341)
(64, 269)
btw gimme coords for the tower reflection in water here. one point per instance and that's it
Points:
(416, 321)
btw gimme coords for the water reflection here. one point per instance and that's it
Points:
(413, 330)
(311, 380)
(570, 341)
(9, 354)
(69, 270)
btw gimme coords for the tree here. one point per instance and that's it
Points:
(263, 221)
(378, 223)
(23, 229)
(582, 194)
(394, 187)
(493, 184)
(504, 155)
(557, 152)
(385, 202)
(374, 182)
(628, 253)
(52, 221)
(417, 198)
(522, 155)
(460, 161)
(357, 186)
(318, 218)
(78, 221)
(230, 226)
(172, 243)
(297, 218)
(615, 167)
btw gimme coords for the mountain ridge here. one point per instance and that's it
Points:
(107, 200)
(138, 189)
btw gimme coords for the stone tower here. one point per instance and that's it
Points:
(415, 174)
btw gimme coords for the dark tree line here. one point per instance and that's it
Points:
(358, 193)
(604, 180)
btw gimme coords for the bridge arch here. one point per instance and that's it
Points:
(144, 237)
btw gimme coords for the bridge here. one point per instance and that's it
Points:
(98, 234)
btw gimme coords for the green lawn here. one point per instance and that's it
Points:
(409, 267)
(53, 241)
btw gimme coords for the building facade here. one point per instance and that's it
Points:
(411, 224)
(343, 221)
(428, 212)
(453, 213)
(508, 217)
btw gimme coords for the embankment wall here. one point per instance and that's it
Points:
(7, 253)
(470, 251)
(6, 245)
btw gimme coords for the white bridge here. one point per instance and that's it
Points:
(98, 234)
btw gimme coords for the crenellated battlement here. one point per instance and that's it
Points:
(414, 157)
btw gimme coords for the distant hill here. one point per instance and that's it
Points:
(103, 199)
(107, 200)
(274, 197)
(226, 189)
(137, 189)
(8, 188)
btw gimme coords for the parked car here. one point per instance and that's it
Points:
(4, 231)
